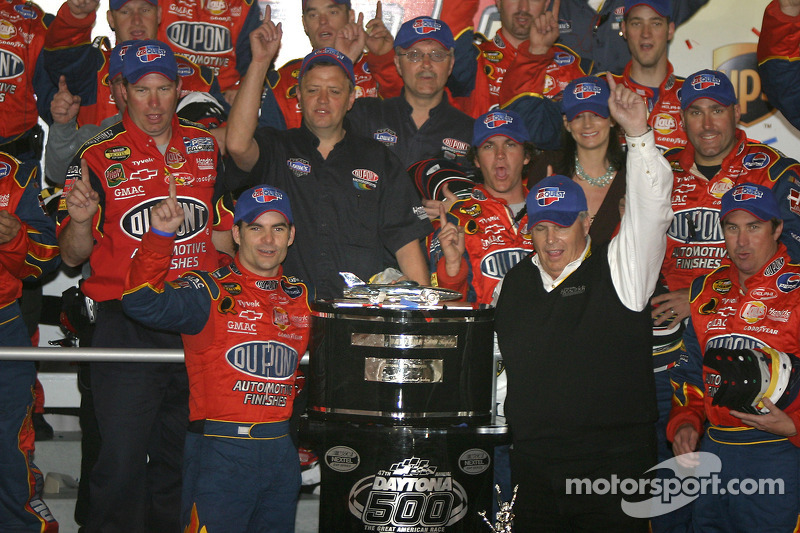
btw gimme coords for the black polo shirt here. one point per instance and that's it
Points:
(447, 133)
(352, 211)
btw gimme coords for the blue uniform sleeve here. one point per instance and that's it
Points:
(785, 173)
(687, 374)
(271, 114)
(465, 67)
(682, 10)
(243, 53)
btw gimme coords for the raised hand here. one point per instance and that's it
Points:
(65, 106)
(379, 39)
(544, 30)
(9, 226)
(167, 215)
(82, 201)
(350, 39)
(452, 241)
(627, 108)
(265, 39)
(81, 8)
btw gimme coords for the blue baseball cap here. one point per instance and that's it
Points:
(117, 4)
(662, 7)
(555, 199)
(499, 122)
(757, 200)
(330, 56)
(261, 199)
(117, 57)
(588, 93)
(707, 83)
(149, 57)
(340, 2)
(422, 28)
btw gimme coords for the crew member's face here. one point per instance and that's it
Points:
(263, 244)
(425, 78)
(711, 128)
(136, 20)
(151, 105)
(516, 16)
(501, 160)
(325, 96)
(648, 35)
(557, 247)
(589, 130)
(118, 93)
(322, 19)
(749, 241)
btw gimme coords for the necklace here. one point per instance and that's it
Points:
(602, 181)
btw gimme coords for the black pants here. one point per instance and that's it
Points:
(142, 413)
(543, 504)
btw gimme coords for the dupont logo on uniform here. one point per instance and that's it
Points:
(200, 37)
(586, 90)
(455, 144)
(702, 82)
(424, 26)
(496, 264)
(149, 52)
(364, 179)
(270, 360)
(11, 65)
(549, 195)
(742, 193)
(136, 222)
(263, 196)
(495, 120)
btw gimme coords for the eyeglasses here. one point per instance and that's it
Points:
(415, 56)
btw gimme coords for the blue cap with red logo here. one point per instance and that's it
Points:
(707, 83)
(330, 56)
(149, 57)
(499, 122)
(588, 93)
(340, 2)
(422, 28)
(117, 57)
(555, 199)
(662, 7)
(117, 4)
(757, 200)
(261, 199)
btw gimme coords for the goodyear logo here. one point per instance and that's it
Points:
(200, 37)
(496, 264)
(585, 90)
(738, 61)
(696, 225)
(756, 160)
(788, 282)
(549, 195)
(425, 26)
(268, 360)
(11, 65)
(136, 222)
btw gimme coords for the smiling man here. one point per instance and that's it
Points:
(585, 341)
(114, 180)
(742, 314)
(232, 425)
(355, 208)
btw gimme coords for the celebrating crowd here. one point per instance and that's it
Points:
(636, 245)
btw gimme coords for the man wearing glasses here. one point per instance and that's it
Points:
(420, 123)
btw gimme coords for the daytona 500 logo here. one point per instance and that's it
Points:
(411, 494)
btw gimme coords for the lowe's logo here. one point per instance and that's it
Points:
(11, 65)
(270, 360)
(201, 37)
(136, 222)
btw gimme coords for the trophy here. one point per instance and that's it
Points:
(505, 516)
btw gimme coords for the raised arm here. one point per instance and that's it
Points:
(82, 203)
